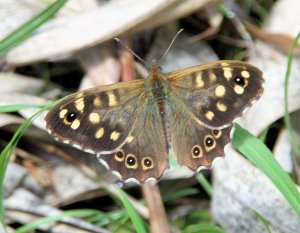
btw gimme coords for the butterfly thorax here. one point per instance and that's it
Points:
(157, 84)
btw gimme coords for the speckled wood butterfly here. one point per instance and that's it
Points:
(131, 126)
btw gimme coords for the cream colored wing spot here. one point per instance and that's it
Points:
(221, 107)
(238, 89)
(209, 143)
(129, 139)
(119, 155)
(147, 163)
(94, 118)
(209, 115)
(198, 80)
(63, 113)
(197, 152)
(100, 132)
(97, 102)
(220, 91)
(79, 95)
(79, 104)
(115, 136)
(131, 161)
(112, 101)
(212, 77)
(227, 71)
(224, 64)
(75, 124)
(245, 74)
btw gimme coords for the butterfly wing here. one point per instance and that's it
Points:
(97, 119)
(194, 144)
(216, 93)
(145, 154)
(110, 120)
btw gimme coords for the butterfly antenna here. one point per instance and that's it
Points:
(130, 50)
(175, 37)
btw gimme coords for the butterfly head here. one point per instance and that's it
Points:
(154, 66)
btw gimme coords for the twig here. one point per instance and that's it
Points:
(158, 217)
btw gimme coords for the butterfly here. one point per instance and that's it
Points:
(132, 126)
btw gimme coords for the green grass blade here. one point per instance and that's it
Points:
(84, 213)
(25, 30)
(287, 118)
(178, 194)
(17, 107)
(263, 135)
(263, 221)
(263, 158)
(203, 228)
(135, 218)
(204, 183)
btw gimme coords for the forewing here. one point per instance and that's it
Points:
(194, 144)
(98, 119)
(217, 93)
(144, 154)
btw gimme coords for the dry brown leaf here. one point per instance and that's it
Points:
(279, 40)
(182, 53)
(100, 64)
(127, 63)
(13, 13)
(12, 82)
(8, 119)
(215, 18)
(82, 30)
(24, 207)
(173, 12)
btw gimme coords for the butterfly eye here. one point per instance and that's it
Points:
(196, 152)
(239, 80)
(71, 116)
(119, 156)
(209, 143)
(217, 133)
(147, 163)
(131, 161)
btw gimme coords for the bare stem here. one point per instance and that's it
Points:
(158, 217)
